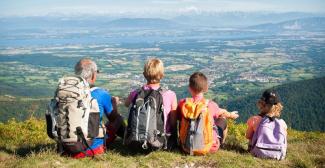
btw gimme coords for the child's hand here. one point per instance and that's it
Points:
(234, 115)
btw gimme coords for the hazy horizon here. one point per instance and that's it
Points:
(154, 8)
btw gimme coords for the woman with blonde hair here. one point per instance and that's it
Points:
(153, 72)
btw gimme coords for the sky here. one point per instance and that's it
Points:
(45, 7)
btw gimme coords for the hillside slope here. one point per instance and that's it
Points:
(25, 144)
(303, 104)
(21, 108)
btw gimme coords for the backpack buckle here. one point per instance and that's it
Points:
(144, 145)
(192, 127)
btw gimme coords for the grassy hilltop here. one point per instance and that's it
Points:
(25, 144)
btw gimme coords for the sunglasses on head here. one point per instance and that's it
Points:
(270, 99)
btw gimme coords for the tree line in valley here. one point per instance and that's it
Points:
(303, 103)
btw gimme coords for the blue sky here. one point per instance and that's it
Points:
(43, 7)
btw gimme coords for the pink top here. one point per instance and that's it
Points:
(169, 102)
(215, 112)
(252, 124)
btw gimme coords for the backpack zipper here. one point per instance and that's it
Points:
(269, 149)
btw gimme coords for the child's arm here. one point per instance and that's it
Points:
(250, 129)
(232, 115)
(249, 133)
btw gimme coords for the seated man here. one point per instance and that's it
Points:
(87, 69)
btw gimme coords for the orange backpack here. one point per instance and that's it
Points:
(196, 126)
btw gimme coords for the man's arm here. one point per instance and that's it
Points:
(114, 113)
(116, 123)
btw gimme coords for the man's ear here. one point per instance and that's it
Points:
(93, 78)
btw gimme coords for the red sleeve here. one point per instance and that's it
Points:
(179, 108)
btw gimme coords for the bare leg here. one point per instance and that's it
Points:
(225, 133)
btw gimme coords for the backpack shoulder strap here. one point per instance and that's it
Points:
(138, 91)
(93, 88)
(188, 100)
(162, 90)
(74, 76)
(254, 139)
(207, 101)
(264, 119)
(84, 141)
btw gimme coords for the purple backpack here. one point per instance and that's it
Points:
(269, 139)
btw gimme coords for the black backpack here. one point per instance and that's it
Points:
(145, 130)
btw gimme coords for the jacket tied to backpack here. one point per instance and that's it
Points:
(196, 127)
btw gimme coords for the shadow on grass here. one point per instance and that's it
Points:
(24, 151)
(235, 147)
(118, 147)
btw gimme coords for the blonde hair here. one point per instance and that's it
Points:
(269, 109)
(153, 70)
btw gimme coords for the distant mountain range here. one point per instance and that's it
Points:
(308, 24)
(303, 101)
(155, 23)
(187, 20)
(239, 19)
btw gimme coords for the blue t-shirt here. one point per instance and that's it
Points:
(104, 100)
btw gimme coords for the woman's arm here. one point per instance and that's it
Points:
(173, 113)
(127, 102)
(129, 99)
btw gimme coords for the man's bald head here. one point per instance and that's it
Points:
(86, 68)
